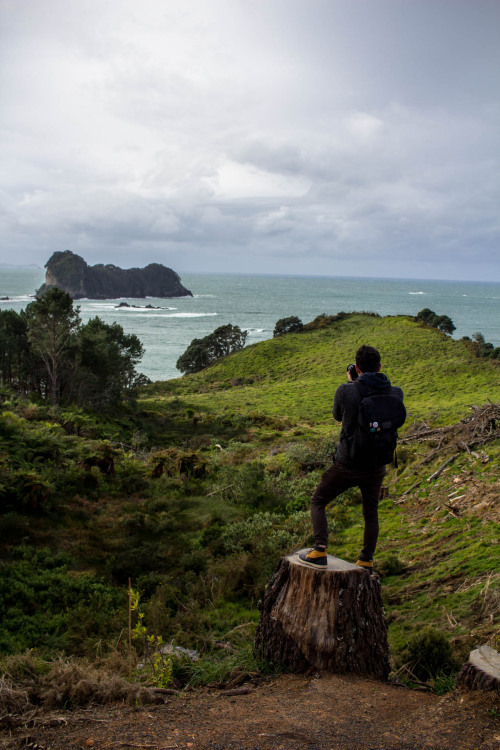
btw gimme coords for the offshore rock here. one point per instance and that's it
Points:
(72, 274)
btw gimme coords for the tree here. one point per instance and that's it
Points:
(14, 349)
(441, 322)
(204, 352)
(52, 325)
(444, 323)
(194, 359)
(426, 316)
(106, 360)
(482, 347)
(287, 325)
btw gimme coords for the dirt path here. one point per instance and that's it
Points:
(328, 712)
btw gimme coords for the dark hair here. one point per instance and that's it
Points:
(368, 358)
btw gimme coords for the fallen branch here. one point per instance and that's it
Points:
(442, 467)
(403, 497)
(238, 627)
(122, 743)
(401, 669)
(220, 489)
(236, 691)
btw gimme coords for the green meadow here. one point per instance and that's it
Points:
(295, 376)
(195, 492)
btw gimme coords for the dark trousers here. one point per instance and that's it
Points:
(336, 480)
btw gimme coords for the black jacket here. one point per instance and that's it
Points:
(346, 406)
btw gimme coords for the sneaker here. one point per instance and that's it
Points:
(366, 565)
(315, 558)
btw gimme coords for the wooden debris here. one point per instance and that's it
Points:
(443, 466)
(479, 427)
(236, 691)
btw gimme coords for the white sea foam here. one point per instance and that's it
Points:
(190, 315)
(254, 331)
(147, 314)
(417, 292)
(140, 309)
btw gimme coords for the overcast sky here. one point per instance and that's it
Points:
(324, 137)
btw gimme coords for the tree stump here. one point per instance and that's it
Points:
(330, 619)
(482, 670)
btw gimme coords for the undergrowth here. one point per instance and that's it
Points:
(197, 492)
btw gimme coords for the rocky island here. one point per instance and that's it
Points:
(70, 272)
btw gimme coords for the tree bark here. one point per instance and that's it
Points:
(482, 670)
(330, 619)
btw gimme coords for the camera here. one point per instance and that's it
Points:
(353, 372)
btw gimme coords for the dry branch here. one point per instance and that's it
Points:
(477, 428)
(236, 691)
(442, 467)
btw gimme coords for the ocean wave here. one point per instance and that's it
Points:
(19, 298)
(141, 309)
(417, 292)
(159, 314)
(254, 331)
(190, 315)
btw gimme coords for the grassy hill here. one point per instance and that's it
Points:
(296, 375)
(293, 379)
(196, 493)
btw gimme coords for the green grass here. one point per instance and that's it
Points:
(295, 376)
(201, 547)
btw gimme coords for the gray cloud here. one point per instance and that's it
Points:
(326, 137)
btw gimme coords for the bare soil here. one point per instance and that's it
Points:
(321, 712)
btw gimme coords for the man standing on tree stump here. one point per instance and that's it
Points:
(371, 410)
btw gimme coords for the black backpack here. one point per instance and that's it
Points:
(381, 413)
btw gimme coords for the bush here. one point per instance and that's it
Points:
(391, 565)
(482, 348)
(324, 320)
(430, 654)
(45, 604)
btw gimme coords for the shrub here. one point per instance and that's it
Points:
(311, 456)
(44, 603)
(324, 320)
(430, 654)
(391, 565)
(480, 347)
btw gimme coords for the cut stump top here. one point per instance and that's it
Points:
(329, 618)
(487, 660)
(334, 563)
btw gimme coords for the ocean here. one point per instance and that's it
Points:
(256, 302)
